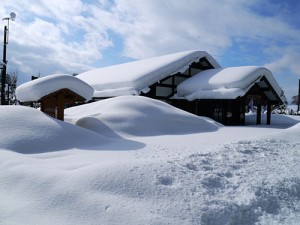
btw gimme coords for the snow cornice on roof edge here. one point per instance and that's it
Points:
(226, 83)
(37, 89)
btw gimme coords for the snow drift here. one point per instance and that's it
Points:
(236, 175)
(28, 130)
(138, 116)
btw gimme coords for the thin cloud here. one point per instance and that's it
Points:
(160, 27)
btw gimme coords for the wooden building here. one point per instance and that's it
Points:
(192, 81)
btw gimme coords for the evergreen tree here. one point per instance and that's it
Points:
(10, 87)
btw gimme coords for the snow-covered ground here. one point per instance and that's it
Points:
(133, 160)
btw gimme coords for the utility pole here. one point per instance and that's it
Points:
(4, 62)
(12, 17)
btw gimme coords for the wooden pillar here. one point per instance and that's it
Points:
(42, 106)
(242, 111)
(229, 112)
(60, 106)
(298, 108)
(258, 114)
(269, 113)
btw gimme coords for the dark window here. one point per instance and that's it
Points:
(218, 114)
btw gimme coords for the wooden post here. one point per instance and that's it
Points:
(60, 106)
(42, 106)
(298, 98)
(269, 113)
(258, 114)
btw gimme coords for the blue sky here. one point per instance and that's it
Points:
(73, 36)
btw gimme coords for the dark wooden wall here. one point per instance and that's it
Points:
(227, 112)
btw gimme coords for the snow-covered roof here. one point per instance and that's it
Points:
(227, 83)
(134, 77)
(36, 89)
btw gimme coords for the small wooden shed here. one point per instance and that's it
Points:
(55, 103)
(55, 93)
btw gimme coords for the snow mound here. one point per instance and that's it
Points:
(27, 130)
(138, 116)
(277, 120)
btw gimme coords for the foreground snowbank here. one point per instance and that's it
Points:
(208, 178)
(138, 116)
(28, 130)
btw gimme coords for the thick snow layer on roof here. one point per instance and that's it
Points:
(36, 89)
(116, 92)
(135, 76)
(225, 83)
